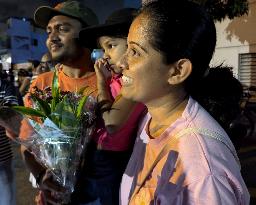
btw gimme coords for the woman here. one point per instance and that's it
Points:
(182, 155)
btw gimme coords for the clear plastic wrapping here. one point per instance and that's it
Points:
(56, 130)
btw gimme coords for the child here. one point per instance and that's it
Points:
(115, 132)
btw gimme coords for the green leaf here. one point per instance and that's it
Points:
(55, 84)
(68, 105)
(68, 120)
(220, 9)
(80, 106)
(64, 114)
(55, 91)
(43, 105)
(56, 115)
(28, 111)
(81, 91)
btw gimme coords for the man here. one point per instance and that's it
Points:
(45, 65)
(24, 79)
(62, 24)
(7, 177)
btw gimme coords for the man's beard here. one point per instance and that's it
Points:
(58, 58)
(68, 56)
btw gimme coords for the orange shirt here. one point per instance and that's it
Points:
(66, 83)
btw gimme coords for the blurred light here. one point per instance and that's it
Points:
(9, 59)
(96, 54)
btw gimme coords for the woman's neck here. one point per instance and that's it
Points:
(165, 111)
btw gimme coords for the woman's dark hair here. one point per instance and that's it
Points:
(183, 29)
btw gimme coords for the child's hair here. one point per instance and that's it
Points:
(182, 29)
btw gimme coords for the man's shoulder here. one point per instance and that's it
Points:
(43, 80)
(45, 75)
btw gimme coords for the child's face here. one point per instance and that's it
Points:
(114, 48)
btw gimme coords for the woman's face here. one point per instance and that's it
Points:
(114, 49)
(145, 75)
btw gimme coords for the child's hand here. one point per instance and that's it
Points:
(102, 70)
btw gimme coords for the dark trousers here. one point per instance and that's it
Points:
(100, 176)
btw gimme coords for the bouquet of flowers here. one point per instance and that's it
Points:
(56, 129)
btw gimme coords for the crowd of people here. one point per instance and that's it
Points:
(162, 133)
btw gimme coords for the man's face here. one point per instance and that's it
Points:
(62, 38)
(45, 64)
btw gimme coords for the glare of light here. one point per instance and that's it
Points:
(9, 59)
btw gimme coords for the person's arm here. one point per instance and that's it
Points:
(114, 112)
(23, 87)
(10, 97)
(19, 129)
(34, 167)
(217, 189)
(27, 99)
(43, 176)
(118, 114)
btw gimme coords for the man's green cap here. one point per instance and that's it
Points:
(73, 9)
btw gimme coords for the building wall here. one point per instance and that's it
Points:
(19, 8)
(236, 37)
(25, 42)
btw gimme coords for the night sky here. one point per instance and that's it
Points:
(26, 8)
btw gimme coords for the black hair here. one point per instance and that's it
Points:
(23, 73)
(181, 29)
(34, 62)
